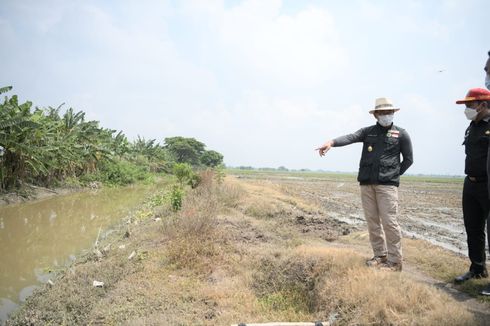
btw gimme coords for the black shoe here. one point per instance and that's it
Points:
(469, 275)
(376, 261)
(486, 290)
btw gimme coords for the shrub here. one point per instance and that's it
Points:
(176, 197)
(156, 200)
(220, 174)
(183, 172)
(117, 173)
(194, 181)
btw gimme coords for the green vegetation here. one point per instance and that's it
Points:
(45, 147)
(184, 174)
(176, 196)
(191, 151)
(211, 158)
(338, 176)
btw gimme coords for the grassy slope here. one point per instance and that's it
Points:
(235, 253)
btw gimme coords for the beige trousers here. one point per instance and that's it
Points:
(380, 204)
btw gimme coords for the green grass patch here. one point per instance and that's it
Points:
(290, 300)
(337, 176)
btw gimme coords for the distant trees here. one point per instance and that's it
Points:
(246, 168)
(185, 150)
(44, 147)
(152, 154)
(211, 159)
(191, 151)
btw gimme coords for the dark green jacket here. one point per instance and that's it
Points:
(380, 161)
(476, 142)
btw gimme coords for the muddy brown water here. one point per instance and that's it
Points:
(39, 237)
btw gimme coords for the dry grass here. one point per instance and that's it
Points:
(334, 284)
(230, 193)
(264, 199)
(192, 234)
(432, 260)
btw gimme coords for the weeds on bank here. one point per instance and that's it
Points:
(193, 232)
(71, 300)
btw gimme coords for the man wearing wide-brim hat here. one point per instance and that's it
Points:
(379, 177)
(476, 203)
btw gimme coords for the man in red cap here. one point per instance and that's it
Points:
(379, 176)
(476, 203)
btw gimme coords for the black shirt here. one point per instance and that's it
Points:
(476, 148)
(380, 159)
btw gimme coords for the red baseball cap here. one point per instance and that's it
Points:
(476, 94)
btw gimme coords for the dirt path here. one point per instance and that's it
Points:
(479, 309)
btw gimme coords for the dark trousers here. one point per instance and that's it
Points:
(476, 206)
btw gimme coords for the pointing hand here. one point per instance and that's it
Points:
(325, 148)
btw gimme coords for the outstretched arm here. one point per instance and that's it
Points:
(356, 137)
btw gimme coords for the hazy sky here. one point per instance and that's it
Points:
(264, 82)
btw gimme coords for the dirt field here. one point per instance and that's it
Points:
(430, 209)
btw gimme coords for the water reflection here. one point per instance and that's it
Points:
(40, 236)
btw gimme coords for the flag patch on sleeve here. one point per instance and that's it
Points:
(393, 133)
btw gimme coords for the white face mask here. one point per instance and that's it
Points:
(470, 113)
(385, 120)
(487, 81)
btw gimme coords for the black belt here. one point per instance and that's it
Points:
(478, 179)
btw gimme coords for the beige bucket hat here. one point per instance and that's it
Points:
(382, 104)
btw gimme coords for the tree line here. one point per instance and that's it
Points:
(45, 147)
